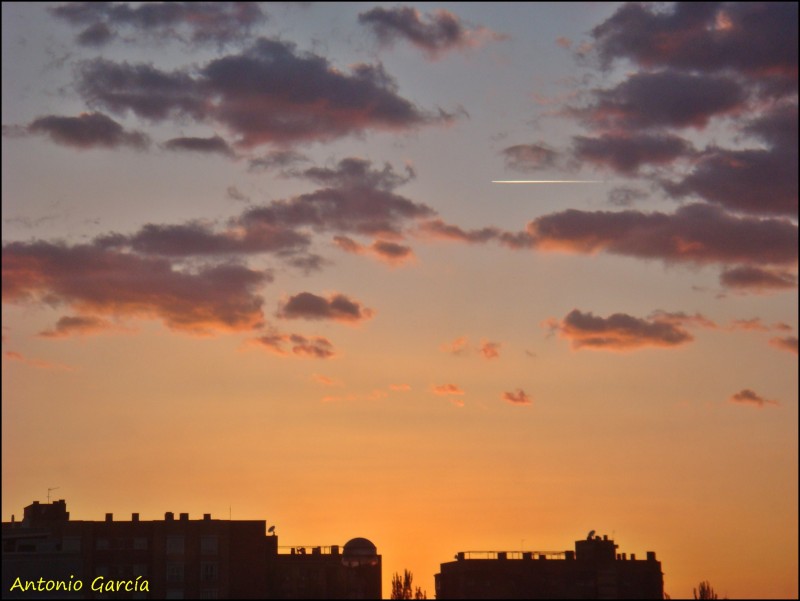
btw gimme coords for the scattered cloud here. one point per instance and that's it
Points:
(193, 22)
(434, 33)
(530, 157)
(86, 131)
(354, 173)
(748, 397)
(749, 278)
(242, 236)
(626, 154)
(753, 180)
(490, 350)
(459, 346)
(268, 94)
(37, 363)
(625, 196)
(315, 347)
(212, 145)
(519, 397)
(234, 193)
(97, 281)
(383, 250)
(70, 325)
(336, 307)
(400, 387)
(787, 343)
(664, 99)
(447, 390)
(620, 331)
(695, 233)
(276, 159)
(372, 396)
(757, 38)
(326, 381)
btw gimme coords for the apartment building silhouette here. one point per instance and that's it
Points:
(594, 570)
(175, 558)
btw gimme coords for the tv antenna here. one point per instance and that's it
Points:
(49, 490)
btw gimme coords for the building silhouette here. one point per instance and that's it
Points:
(177, 558)
(594, 570)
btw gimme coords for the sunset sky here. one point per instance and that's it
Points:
(255, 264)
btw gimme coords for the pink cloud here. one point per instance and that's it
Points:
(314, 347)
(787, 343)
(490, 350)
(518, 397)
(37, 363)
(459, 346)
(748, 397)
(447, 390)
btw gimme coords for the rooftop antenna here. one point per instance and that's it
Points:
(49, 490)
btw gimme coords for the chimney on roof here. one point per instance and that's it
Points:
(206, 516)
(169, 516)
(109, 517)
(134, 517)
(184, 516)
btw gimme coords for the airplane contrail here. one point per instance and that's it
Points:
(548, 181)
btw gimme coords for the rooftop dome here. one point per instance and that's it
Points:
(358, 552)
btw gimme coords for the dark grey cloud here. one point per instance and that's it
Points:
(71, 325)
(391, 251)
(142, 89)
(625, 196)
(211, 145)
(751, 278)
(694, 233)
(620, 331)
(439, 229)
(198, 239)
(96, 281)
(97, 34)
(754, 180)
(282, 227)
(434, 33)
(756, 38)
(354, 172)
(664, 99)
(87, 130)
(358, 210)
(626, 154)
(337, 307)
(270, 93)
(529, 157)
(749, 397)
(276, 159)
(195, 22)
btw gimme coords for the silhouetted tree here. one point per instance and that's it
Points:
(704, 591)
(402, 589)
